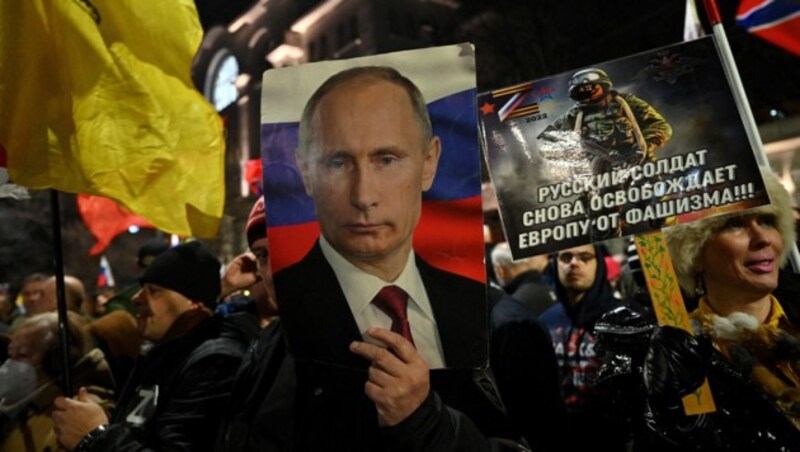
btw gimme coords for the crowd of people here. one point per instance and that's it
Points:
(567, 356)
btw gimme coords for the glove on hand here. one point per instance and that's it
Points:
(676, 363)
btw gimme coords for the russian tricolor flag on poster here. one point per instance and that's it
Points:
(777, 21)
(446, 77)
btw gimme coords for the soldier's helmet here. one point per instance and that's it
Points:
(588, 85)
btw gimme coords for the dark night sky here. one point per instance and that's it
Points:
(533, 39)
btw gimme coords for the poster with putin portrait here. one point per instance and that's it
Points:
(371, 177)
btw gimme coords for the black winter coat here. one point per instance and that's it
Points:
(175, 396)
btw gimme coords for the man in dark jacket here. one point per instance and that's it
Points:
(255, 401)
(178, 388)
(522, 279)
(524, 365)
(584, 294)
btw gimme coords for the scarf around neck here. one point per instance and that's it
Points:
(767, 353)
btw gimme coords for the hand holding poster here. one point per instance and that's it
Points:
(625, 147)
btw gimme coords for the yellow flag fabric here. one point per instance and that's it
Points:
(96, 97)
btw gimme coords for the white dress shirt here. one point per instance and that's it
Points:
(360, 288)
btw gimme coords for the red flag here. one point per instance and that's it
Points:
(253, 176)
(106, 219)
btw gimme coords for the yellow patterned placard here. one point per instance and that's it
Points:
(668, 305)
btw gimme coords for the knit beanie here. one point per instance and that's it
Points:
(150, 250)
(256, 223)
(188, 269)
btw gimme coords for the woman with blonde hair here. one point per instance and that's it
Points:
(746, 342)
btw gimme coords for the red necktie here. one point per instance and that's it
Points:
(393, 300)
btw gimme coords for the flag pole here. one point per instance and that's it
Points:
(58, 262)
(740, 97)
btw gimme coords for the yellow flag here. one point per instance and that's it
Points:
(96, 97)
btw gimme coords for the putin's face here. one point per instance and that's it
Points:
(367, 168)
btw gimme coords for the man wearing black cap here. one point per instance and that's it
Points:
(122, 301)
(175, 395)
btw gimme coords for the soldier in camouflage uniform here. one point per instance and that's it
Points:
(625, 127)
(619, 130)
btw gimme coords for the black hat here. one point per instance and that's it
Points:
(151, 249)
(188, 269)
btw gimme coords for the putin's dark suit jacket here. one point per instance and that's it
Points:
(319, 325)
(331, 410)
